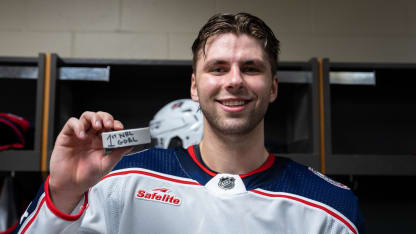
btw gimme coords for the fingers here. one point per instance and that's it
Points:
(97, 121)
(101, 121)
(106, 119)
(118, 125)
(74, 126)
(114, 157)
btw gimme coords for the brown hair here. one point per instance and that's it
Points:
(241, 23)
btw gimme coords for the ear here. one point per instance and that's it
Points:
(194, 90)
(274, 88)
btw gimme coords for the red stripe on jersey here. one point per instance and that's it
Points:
(33, 218)
(193, 156)
(333, 214)
(10, 229)
(59, 213)
(266, 165)
(152, 175)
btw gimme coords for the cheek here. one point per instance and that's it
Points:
(208, 85)
(260, 88)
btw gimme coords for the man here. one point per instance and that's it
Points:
(228, 183)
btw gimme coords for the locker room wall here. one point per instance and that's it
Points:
(348, 31)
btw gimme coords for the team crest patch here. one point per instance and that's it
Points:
(226, 183)
(162, 195)
(329, 180)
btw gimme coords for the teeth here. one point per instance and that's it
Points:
(233, 103)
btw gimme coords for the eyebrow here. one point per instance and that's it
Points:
(254, 61)
(257, 62)
(245, 62)
(213, 62)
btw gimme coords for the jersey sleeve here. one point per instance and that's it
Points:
(360, 221)
(43, 217)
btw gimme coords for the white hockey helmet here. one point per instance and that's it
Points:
(179, 123)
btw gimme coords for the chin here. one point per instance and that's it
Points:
(235, 127)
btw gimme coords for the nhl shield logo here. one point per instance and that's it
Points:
(226, 183)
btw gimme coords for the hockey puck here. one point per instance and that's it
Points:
(123, 138)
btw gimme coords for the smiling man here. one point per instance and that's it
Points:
(234, 84)
(228, 183)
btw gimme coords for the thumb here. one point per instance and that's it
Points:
(114, 157)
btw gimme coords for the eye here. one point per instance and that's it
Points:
(251, 70)
(217, 70)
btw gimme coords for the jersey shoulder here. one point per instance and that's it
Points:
(291, 177)
(300, 179)
(155, 159)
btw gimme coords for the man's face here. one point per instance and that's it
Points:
(233, 83)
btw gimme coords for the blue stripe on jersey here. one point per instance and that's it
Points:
(158, 160)
(31, 209)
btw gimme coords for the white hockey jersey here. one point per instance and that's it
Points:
(171, 191)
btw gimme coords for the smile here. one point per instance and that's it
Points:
(234, 103)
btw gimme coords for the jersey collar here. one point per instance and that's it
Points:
(196, 157)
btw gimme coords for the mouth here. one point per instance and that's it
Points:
(233, 105)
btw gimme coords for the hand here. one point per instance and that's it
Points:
(78, 161)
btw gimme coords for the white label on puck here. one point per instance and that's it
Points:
(123, 138)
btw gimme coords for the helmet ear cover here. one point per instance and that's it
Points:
(178, 123)
(175, 142)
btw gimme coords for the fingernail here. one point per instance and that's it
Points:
(97, 123)
(82, 134)
(108, 122)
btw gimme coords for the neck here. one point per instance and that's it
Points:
(234, 154)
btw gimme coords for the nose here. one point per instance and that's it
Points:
(235, 79)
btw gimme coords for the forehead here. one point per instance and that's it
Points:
(233, 48)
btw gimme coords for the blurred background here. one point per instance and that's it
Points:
(347, 31)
